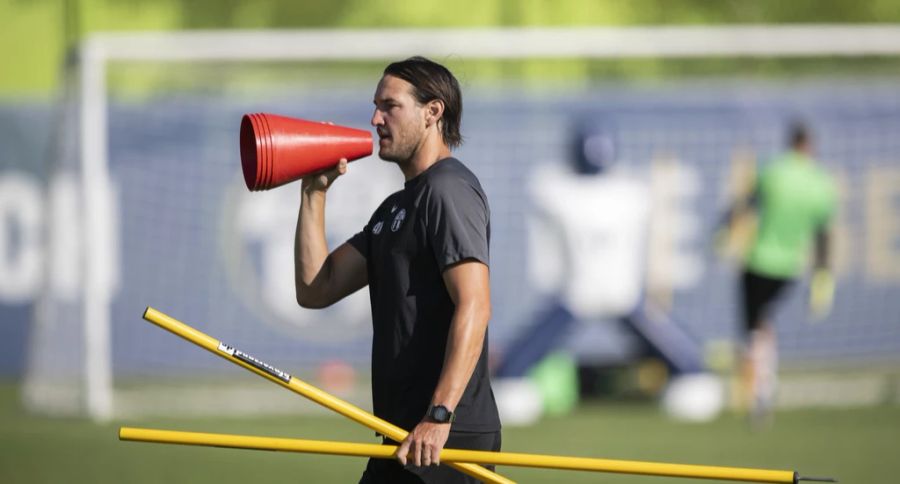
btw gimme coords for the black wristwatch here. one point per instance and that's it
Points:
(441, 414)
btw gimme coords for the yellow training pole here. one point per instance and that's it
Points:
(454, 455)
(299, 386)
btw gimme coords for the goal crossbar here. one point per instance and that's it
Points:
(506, 43)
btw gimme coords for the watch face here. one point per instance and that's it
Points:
(440, 413)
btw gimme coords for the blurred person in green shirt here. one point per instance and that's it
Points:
(794, 200)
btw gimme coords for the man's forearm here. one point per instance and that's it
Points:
(739, 208)
(823, 249)
(464, 345)
(310, 246)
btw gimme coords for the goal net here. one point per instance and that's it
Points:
(154, 211)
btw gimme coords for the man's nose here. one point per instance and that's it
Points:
(377, 118)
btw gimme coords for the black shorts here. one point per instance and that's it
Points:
(760, 292)
(389, 471)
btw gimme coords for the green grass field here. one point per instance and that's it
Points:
(858, 446)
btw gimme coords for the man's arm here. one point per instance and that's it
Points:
(468, 284)
(821, 287)
(730, 234)
(739, 208)
(822, 283)
(822, 260)
(320, 278)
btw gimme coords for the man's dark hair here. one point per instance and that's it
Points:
(431, 81)
(798, 135)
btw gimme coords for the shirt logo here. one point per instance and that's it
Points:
(398, 220)
(377, 228)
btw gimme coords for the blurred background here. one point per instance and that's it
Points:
(120, 188)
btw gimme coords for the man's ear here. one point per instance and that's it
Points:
(434, 110)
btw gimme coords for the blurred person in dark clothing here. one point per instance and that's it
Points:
(424, 256)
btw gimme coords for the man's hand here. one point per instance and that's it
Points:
(424, 444)
(322, 180)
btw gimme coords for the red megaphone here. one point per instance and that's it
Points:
(276, 149)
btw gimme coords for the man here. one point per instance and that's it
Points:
(424, 256)
(794, 200)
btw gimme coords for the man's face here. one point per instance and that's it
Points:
(398, 119)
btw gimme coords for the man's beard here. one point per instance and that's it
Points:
(397, 154)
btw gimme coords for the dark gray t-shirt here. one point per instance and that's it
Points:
(441, 217)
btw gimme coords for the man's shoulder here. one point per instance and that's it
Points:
(827, 184)
(824, 174)
(778, 162)
(449, 174)
(777, 167)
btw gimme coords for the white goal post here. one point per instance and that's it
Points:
(99, 50)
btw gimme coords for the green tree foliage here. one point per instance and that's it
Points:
(35, 34)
